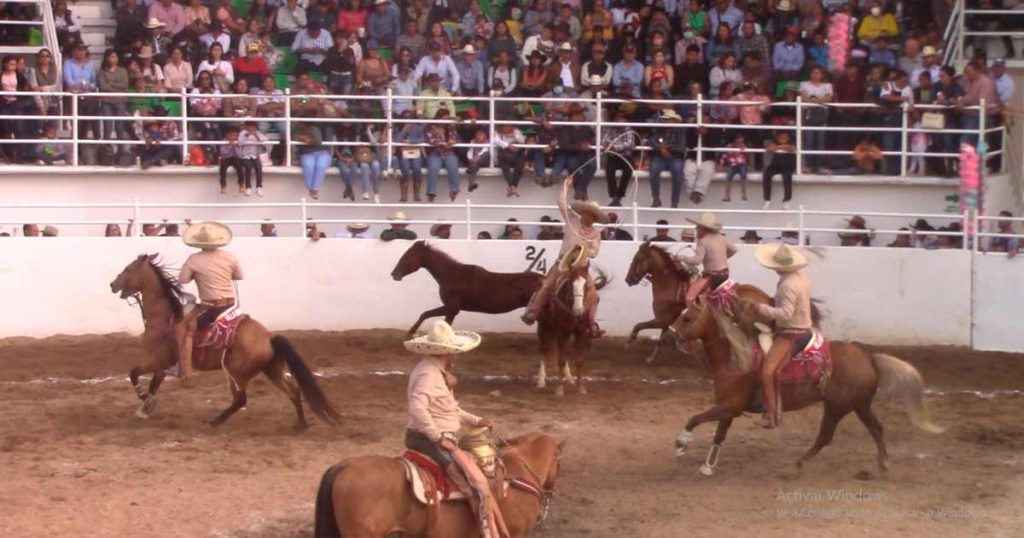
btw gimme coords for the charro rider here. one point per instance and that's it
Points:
(792, 316)
(435, 419)
(579, 231)
(713, 253)
(214, 271)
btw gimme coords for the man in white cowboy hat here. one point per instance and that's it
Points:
(171, 14)
(791, 314)
(929, 64)
(669, 145)
(214, 270)
(399, 228)
(579, 232)
(713, 252)
(471, 72)
(435, 418)
(355, 230)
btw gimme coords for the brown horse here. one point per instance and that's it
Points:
(465, 287)
(254, 350)
(558, 326)
(857, 376)
(369, 497)
(669, 283)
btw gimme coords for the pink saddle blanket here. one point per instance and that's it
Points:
(810, 364)
(220, 333)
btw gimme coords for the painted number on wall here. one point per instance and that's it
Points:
(537, 261)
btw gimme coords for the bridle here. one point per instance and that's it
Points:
(543, 493)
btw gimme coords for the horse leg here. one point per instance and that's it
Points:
(717, 413)
(546, 344)
(579, 350)
(708, 467)
(439, 311)
(657, 347)
(829, 420)
(149, 402)
(239, 401)
(275, 372)
(874, 426)
(563, 366)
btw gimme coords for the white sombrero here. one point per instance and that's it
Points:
(592, 208)
(574, 259)
(207, 235)
(707, 220)
(781, 258)
(442, 340)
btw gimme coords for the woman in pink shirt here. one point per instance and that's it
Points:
(352, 17)
(177, 72)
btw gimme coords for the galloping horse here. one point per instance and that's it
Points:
(560, 321)
(369, 496)
(465, 287)
(669, 283)
(254, 350)
(856, 377)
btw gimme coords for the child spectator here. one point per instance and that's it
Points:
(49, 153)
(735, 164)
(229, 157)
(919, 141)
(155, 153)
(478, 157)
(783, 154)
(251, 145)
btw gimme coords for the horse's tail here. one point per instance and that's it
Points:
(325, 524)
(898, 378)
(601, 279)
(319, 403)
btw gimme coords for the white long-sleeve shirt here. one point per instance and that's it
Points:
(713, 252)
(444, 68)
(792, 308)
(432, 407)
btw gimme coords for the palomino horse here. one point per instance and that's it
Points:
(561, 321)
(465, 287)
(669, 283)
(856, 377)
(369, 496)
(254, 350)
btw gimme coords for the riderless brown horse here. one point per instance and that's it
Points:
(559, 325)
(669, 282)
(857, 376)
(254, 350)
(369, 496)
(465, 287)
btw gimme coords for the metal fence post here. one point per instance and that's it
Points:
(184, 127)
(966, 231)
(305, 217)
(636, 221)
(490, 120)
(961, 4)
(700, 122)
(905, 118)
(801, 235)
(597, 140)
(390, 115)
(469, 219)
(799, 142)
(288, 127)
(137, 215)
(977, 240)
(74, 129)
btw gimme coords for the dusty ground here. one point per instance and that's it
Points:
(75, 461)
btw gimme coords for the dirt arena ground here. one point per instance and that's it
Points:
(76, 462)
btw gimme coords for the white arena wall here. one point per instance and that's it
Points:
(877, 295)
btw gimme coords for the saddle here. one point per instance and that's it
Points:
(220, 333)
(724, 296)
(812, 362)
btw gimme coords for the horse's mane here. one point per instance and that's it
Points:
(169, 285)
(670, 262)
(440, 253)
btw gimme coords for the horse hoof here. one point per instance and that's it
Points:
(707, 470)
(582, 389)
(541, 384)
(148, 405)
(680, 451)
(559, 391)
(140, 413)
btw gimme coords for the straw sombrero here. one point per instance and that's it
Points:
(707, 220)
(207, 235)
(442, 340)
(592, 208)
(781, 258)
(574, 259)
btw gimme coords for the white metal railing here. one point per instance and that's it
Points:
(633, 217)
(50, 35)
(963, 18)
(900, 133)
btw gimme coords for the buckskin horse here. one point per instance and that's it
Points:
(254, 350)
(370, 497)
(857, 376)
(669, 283)
(465, 287)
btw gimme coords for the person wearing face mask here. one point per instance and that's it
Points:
(877, 24)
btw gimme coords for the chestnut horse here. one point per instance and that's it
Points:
(669, 283)
(465, 287)
(369, 497)
(558, 326)
(254, 350)
(857, 376)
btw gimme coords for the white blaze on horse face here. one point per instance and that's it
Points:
(579, 286)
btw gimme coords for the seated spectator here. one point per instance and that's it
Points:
(313, 231)
(252, 143)
(566, 69)
(504, 72)
(69, 29)
(816, 91)
(878, 23)
(341, 65)
(383, 24)
(178, 75)
(629, 71)
(112, 230)
(920, 237)
(751, 42)
(613, 231)
(735, 164)
(130, 19)
(314, 157)
(661, 234)
(1009, 245)
(410, 156)
(477, 157)
(230, 157)
(535, 75)
(412, 40)
(757, 72)
(216, 34)
(724, 71)
(356, 230)
(902, 240)
(442, 139)
(668, 154)
(542, 43)
(573, 152)
(242, 106)
(290, 19)
(660, 70)
(311, 46)
(30, 230)
(441, 231)
(502, 41)
(512, 231)
(428, 108)
(696, 177)
(866, 157)
(753, 114)
(484, 236)
(881, 54)
(170, 14)
(113, 78)
(155, 152)
(619, 143)
(50, 152)
(892, 97)
(372, 70)
(750, 237)
(783, 154)
(722, 43)
(197, 11)
(221, 70)
(50, 231)
(45, 78)
(788, 56)
(267, 229)
(439, 64)
(252, 67)
(550, 232)
(471, 73)
(856, 239)
(817, 51)
(352, 17)
(399, 229)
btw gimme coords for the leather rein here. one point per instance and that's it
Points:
(545, 495)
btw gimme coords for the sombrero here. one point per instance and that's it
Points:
(780, 258)
(707, 220)
(574, 259)
(442, 340)
(591, 208)
(207, 235)
(437, 228)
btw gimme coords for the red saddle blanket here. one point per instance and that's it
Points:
(440, 476)
(723, 296)
(811, 363)
(221, 333)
